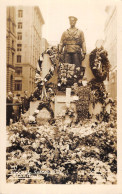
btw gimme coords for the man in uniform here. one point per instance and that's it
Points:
(73, 42)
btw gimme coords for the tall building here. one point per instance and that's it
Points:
(10, 47)
(29, 22)
(110, 45)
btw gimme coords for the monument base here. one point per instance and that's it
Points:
(64, 102)
(33, 106)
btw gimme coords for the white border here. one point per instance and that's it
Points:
(64, 189)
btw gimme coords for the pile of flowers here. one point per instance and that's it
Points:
(62, 154)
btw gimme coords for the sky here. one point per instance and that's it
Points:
(90, 13)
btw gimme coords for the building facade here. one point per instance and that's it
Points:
(10, 48)
(29, 23)
(110, 44)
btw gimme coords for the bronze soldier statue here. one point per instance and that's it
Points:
(73, 43)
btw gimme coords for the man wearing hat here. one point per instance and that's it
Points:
(73, 43)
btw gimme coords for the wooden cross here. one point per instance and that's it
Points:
(60, 99)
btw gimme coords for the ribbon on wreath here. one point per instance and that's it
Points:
(44, 94)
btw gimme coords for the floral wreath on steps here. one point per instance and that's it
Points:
(99, 64)
(43, 91)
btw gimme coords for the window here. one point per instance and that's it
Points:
(18, 85)
(18, 71)
(19, 36)
(19, 47)
(20, 13)
(19, 25)
(18, 58)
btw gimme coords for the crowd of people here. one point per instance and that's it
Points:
(15, 106)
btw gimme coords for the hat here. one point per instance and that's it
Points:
(73, 17)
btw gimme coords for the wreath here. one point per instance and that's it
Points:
(99, 64)
(43, 82)
(68, 74)
(53, 55)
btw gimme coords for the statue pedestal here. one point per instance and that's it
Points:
(63, 100)
(43, 116)
(33, 106)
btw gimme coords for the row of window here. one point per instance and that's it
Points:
(19, 59)
(18, 71)
(18, 85)
(19, 35)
